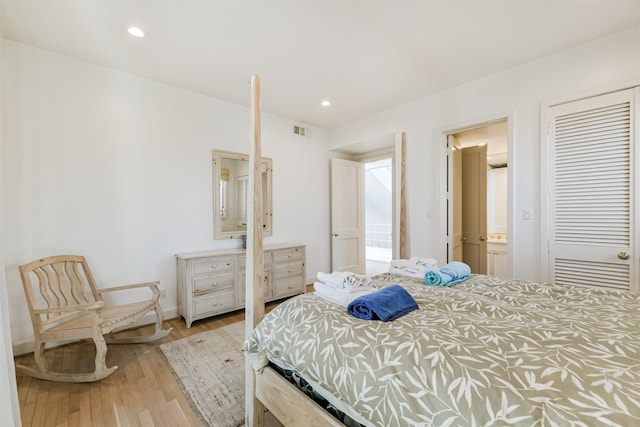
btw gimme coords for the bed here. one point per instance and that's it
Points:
(483, 352)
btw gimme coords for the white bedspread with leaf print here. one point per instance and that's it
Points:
(485, 352)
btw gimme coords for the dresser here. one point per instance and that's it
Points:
(213, 282)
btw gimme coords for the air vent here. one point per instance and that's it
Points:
(299, 130)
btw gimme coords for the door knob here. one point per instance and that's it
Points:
(482, 238)
(623, 255)
(463, 239)
(335, 234)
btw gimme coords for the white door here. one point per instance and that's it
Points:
(591, 197)
(347, 216)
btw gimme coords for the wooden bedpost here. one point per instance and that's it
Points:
(404, 243)
(254, 303)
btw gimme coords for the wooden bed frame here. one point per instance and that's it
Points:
(267, 389)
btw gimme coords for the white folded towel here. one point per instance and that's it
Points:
(331, 294)
(344, 280)
(414, 262)
(414, 273)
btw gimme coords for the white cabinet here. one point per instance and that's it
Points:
(497, 259)
(212, 283)
(497, 201)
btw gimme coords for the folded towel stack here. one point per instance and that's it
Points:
(414, 267)
(344, 279)
(387, 304)
(414, 262)
(448, 275)
(342, 287)
(338, 296)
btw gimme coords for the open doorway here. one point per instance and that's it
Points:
(378, 196)
(478, 221)
(364, 193)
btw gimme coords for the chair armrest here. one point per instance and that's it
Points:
(76, 307)
(151, 285)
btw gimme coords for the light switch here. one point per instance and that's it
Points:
(527, 215)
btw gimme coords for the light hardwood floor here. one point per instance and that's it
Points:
(142, 392)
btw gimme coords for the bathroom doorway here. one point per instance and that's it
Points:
(480, 242)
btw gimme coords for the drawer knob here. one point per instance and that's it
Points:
(214, 284)
(289, 256)
(214, 266)
(290, 287)
(289, 270)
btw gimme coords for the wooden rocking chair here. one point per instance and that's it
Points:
(66, 305)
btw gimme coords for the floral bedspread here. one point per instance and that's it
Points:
(485, 352)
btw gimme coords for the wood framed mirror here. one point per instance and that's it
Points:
(230, 193)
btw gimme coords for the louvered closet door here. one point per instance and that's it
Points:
(591, 192)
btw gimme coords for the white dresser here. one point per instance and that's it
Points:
(212, 283)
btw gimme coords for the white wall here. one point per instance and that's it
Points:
(517, 93)
(9, 406)
(118, 168)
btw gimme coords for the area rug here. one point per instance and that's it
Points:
(210, 368)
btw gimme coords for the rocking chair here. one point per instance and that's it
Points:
(66, 305)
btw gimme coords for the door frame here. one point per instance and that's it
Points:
(545, 152)
(446, 177)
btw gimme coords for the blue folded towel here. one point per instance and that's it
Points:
(448, 275)
(387, 304)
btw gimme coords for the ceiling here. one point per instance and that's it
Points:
(364, 56)
(494, 134)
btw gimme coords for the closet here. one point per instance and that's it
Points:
(592, 189)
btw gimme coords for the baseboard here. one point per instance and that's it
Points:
(25, 347)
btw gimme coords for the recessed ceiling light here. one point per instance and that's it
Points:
(135, 32)
(326, 103)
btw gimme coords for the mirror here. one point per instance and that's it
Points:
(231, 192)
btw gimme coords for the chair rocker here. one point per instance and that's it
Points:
(66, 305)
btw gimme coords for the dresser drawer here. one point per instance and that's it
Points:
(286, 270)
(223, 301)
(283, 256)
(209, 265)
(242, 260)
(266, 289)
(288, 285)
(213, 283)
